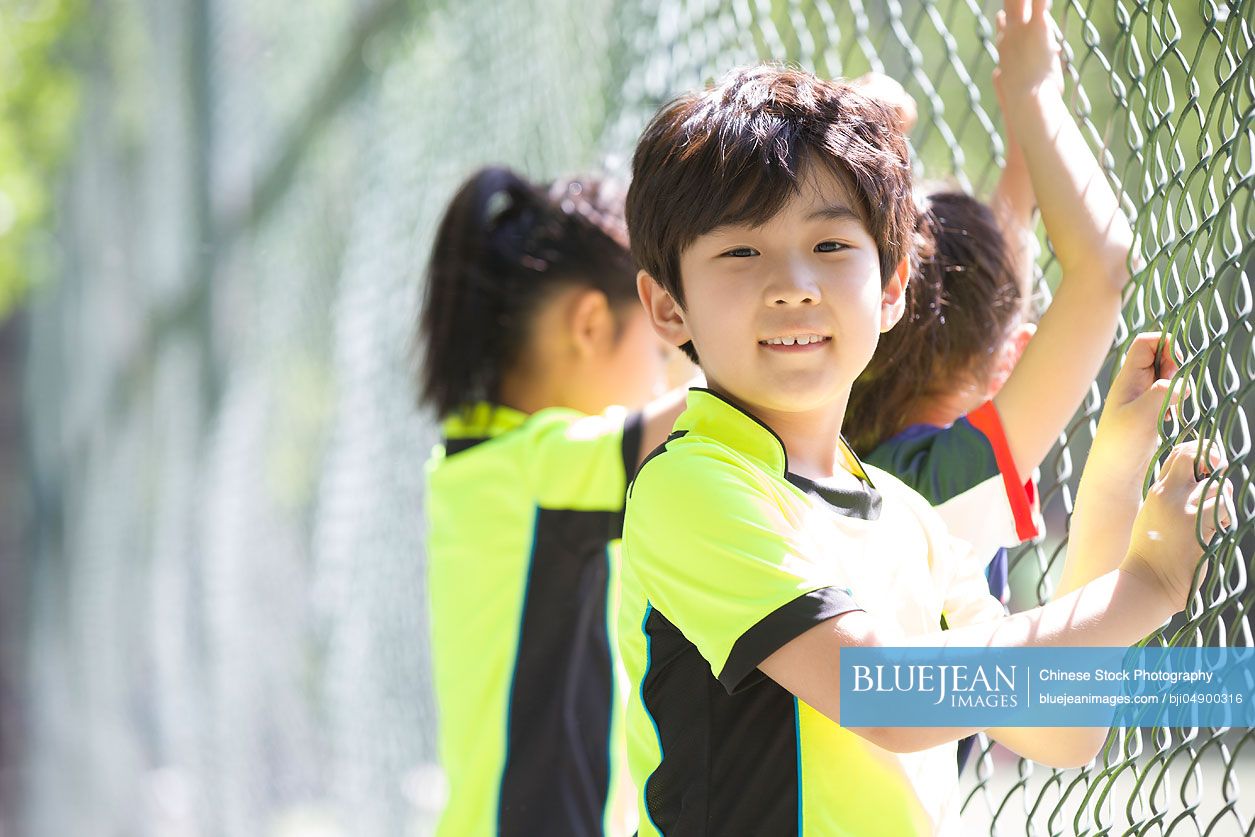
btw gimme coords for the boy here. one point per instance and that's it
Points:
(772, 219)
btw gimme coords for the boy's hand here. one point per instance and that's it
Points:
(880, 87)
(1165, 546)
(1028, 52)
(1128, 432)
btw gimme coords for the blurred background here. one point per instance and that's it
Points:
(214, 216)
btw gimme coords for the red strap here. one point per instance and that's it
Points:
(1022, 495)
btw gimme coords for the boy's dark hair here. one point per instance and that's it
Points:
(962, 300)
(503, 247)
(736, 152)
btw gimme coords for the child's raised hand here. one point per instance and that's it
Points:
(1028, 51)
(1128, 432)
(1166, 545)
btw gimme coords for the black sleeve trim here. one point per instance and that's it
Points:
(456, 446)
(633, 438)
(777, 628)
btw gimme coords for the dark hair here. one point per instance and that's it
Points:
(962, 299)
(735, 153)
(503, 247)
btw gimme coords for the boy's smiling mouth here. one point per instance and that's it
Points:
(805, 341)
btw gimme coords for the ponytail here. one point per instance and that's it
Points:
(962, 299)
(503, 247)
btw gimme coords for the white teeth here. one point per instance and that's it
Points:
(803, 340)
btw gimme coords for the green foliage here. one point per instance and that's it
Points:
(38, 101)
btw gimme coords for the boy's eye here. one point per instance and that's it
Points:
(829, 246)
(741, 252)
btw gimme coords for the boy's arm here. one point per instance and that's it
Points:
(1091, 238)
(1110, 492)
(1116, 609)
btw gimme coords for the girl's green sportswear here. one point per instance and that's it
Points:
(521, 514)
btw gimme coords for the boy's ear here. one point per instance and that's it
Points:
(665, 314)
(591, 322)
(893, 297)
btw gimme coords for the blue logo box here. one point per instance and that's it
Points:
(1048, 687)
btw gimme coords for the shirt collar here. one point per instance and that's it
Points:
(711, 414)
(483, 420)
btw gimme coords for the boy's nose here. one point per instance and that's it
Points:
(793, 286)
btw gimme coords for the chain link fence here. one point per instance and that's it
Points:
(224, 600)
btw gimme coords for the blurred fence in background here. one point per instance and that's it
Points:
(224, 600)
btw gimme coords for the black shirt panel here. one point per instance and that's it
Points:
(556, 777)
(729, 761)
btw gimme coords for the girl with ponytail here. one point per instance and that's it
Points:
(923, 409)
(531, 332)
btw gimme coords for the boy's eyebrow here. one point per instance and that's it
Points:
(834, 212)
(827, 212)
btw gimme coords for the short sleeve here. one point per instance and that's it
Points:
(579, 462)
(730, 559)
(966, 472)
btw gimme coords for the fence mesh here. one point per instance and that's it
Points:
(226, 627)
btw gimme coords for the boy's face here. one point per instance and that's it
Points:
(753, 294)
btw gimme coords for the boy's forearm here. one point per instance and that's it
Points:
(1090, 235)
(1059, 747)
(1083, 621)
(1118, 608)
(1101, 523)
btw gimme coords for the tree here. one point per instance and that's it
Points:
(38, 102)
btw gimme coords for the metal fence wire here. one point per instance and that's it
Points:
(225, 611)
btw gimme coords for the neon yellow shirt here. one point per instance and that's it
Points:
(521, 512)
(727, 557)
